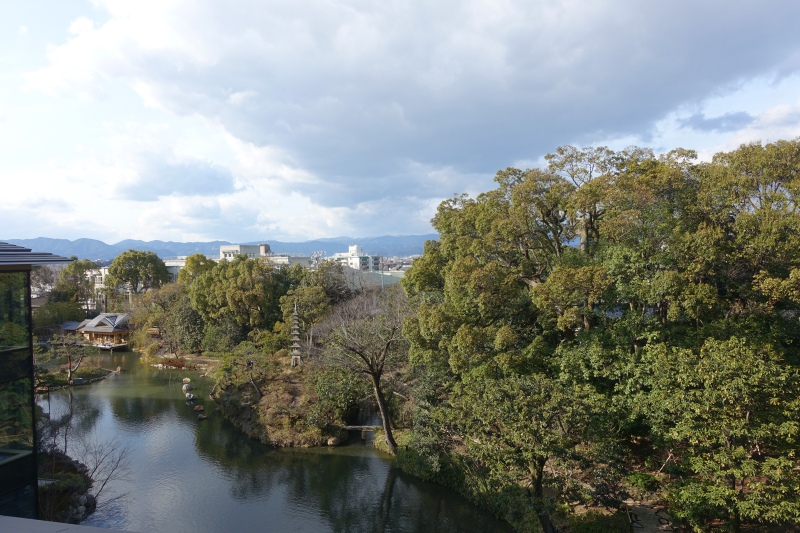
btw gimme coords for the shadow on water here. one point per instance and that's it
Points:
(205, 476)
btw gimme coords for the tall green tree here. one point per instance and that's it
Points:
(137, 272)
(311, 305)
(674, 263)
(237, 297)
(519, 425)
(195, 266)
(329, 275)
(75, 283)
(582, 167)
(169, 309)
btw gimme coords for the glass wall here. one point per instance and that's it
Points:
(17, 437)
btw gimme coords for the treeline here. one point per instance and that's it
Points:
(613, 323)
(216, 306)
(617, 324)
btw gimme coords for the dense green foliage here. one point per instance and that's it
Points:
(137, 272)
(70, 296)
(616, 324)
(75, 284)
(610, 303)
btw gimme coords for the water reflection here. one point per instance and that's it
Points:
(205, 476)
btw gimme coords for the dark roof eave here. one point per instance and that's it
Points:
(12, 255)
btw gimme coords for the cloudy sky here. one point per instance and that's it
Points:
(295, 119)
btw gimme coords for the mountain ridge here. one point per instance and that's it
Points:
(93, 249)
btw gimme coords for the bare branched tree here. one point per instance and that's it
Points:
(106, 462)
(365, 335)
(103, 462)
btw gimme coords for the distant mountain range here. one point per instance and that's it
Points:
(388, 245)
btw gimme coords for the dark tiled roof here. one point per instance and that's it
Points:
(107, 323)
(11, 255)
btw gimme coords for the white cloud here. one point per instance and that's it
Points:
(239, 97)
(348, 115)
(81, 25)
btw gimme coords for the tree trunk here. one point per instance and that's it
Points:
(547, 525)
(253, 382)
(538, 494)
(70, 368)
(382, 407)
(583, 233)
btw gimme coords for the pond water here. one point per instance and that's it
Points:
(187, 475)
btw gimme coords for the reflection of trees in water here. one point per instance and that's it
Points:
(351, 493)
(221, 443)
(355, 498)
(134, 412)
(85, 413)
(68, 432)
(348, 492)
(70, 414)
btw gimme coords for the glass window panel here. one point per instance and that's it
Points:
(15, 364)
(16, 417)
(20, 503)
(15, 354)
(14, 293)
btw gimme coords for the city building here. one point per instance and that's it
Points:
(289, 260)
(18, 468)
(228, 252)
(174, 266)
(356, 259)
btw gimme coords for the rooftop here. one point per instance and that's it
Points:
(13, 255)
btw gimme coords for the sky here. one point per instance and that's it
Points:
(197, 120)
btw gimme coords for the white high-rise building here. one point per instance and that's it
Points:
(356, 259)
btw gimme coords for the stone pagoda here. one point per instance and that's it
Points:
(295, 338)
